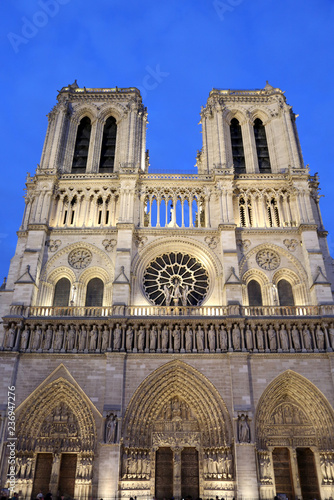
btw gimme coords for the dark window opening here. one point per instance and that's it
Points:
(237, 147)
(254, 293)
(108, 146)
(94, 295)
(62, 293)
(285, 295)
(81, 146)
(261, 147)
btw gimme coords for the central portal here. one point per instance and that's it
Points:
(164, 473)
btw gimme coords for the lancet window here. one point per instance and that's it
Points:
(108, 146)
(285, 295)
(261, 147)
(94, 294)
(81, 146)
(62, 293)
(246, 212)
(254, 293)
(237, 147)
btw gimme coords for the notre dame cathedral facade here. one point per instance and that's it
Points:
(169, 335)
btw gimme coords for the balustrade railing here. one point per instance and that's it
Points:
(150, 310)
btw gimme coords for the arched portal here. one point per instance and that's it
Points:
(177, 436)
(56, 439)
(294, 431)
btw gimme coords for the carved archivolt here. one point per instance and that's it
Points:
(177, 381)
(293, 412)
(56, 418)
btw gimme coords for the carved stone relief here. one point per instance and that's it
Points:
(268, 259)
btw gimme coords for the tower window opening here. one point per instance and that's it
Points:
(261, 147)
(65, 217)
(237, 147)
(82, 146)
(108, 146)
(242, 212)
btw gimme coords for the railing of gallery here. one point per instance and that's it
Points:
(150, 310)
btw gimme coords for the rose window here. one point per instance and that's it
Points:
(176, 279)
(268, 259)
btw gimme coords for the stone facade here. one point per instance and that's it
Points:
(170, 334)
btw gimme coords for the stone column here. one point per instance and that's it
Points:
(177, 472)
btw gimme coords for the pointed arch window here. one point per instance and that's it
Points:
(94, 294)
(285, 295)
(254, 293)
(82, 146)
(261, 146)
(62, 293)
(107, 159)
(237, 147)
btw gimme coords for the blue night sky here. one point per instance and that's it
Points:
(175, 52)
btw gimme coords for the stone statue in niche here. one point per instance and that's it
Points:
(59, 338)
(176, 293)
(82, 339)
(320, 336)
(223, 338)
(24, 337)
(105, 339)
(153, 338)
(93, 339)
(164, 338)
(212, 338)
(249, 338)
(70, 338)
(331, 335)
(11, 336)
(37, 338)
(111, 429)
(259, 338)
(48, 338)
(264, 467)
(189, 338)
(129, 338)
(272, 338)
(167, 294)
(184, 296)
(236, 337)
(307, 338)
(284, 338)
(243, 429)
(141, 338)
(117, 338)
(177, 338)
(200, 339)
(295, 338)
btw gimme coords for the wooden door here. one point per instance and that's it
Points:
(42, 474)
(307, 474)
(164, 473)
(67, 473)
(282, 472)
(189, 473)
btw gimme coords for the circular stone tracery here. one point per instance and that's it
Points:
(80, 258)
(176, 279)
(268, 259)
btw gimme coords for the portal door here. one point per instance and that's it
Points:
(164, 473)
(307, 474)
(282, 472)
(189, 473)
(42, 474)
(67, 472)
